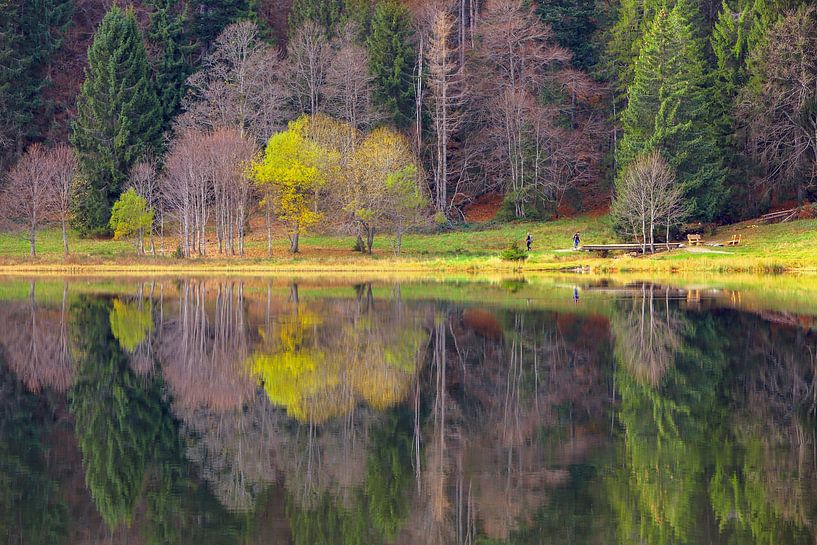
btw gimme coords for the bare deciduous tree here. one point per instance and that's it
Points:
(782, 118)
(649, 198)
(28, 193)
(238, 86)
(144, 179)
(526, 147)
(206, 176)
(61, 165)
(308, 57)
(446, 97)
(348, 92)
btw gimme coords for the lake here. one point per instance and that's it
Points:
(341, 411)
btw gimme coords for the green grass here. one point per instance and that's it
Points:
(468, 248)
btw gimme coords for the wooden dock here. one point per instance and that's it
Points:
(659, 247)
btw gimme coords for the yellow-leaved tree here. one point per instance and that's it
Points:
(383, 155)
(291, 172)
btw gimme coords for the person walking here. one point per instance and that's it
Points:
(576, 241)
(528, 241)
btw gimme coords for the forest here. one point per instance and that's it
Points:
(212, 119)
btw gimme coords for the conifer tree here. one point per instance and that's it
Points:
(573, 23)
(211, 17)
(326, 13)
(30, 33)
(169, 33)
(119, 117)
(669, 110)
(391, 61)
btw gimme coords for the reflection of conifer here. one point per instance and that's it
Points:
(117, 413)
(389, 473)
(30, 510)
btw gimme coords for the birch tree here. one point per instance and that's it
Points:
(649, 199)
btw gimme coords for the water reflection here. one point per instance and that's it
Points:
(229, 411)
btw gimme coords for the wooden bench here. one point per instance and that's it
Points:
(735, 240)
(694, 240)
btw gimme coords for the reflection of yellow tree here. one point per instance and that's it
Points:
(131, 323)
(320, 374)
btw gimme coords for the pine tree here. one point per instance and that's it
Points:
(391, 61)
(326, 13)
(119, 117)
(169, 33)
(211, 17)
(669, 110)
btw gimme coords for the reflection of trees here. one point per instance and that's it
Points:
(764, 483)
(647, 334)
(319, 361)
(35, 337)
(716, 435)
(202, 346)
(511, 397)
(30, 508)
(116, 413)
(659, 494)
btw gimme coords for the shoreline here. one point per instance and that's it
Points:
(476, 266)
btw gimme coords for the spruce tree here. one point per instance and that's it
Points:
(391, 61)
(119, 117)
(326, 13)
(669, 110)
(30, 33)
(171, 67)
(211, 17)
(574, 24)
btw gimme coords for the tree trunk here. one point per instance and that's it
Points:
(293, 239)
(64, 238)
(31, 238)
(370, 238)
(269, 228)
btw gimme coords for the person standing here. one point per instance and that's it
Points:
(576, 241)
(528, 241)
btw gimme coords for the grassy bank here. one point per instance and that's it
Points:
(788, 247)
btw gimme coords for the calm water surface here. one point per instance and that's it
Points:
(212, 411)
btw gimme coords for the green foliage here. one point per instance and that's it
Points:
(30, 33)
(389, 475)
(669, 110)
(574, 22)
(119, 117)
(118, 414)
(130, 216)
(211, 17)
(514, 253)
(391, 61)
(169, 33)
(326, 13)
(89, 209)
(31, 507)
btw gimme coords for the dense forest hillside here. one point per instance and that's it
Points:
(401, 114)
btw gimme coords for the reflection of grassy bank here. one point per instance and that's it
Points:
(765, 248)
(791, 293)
